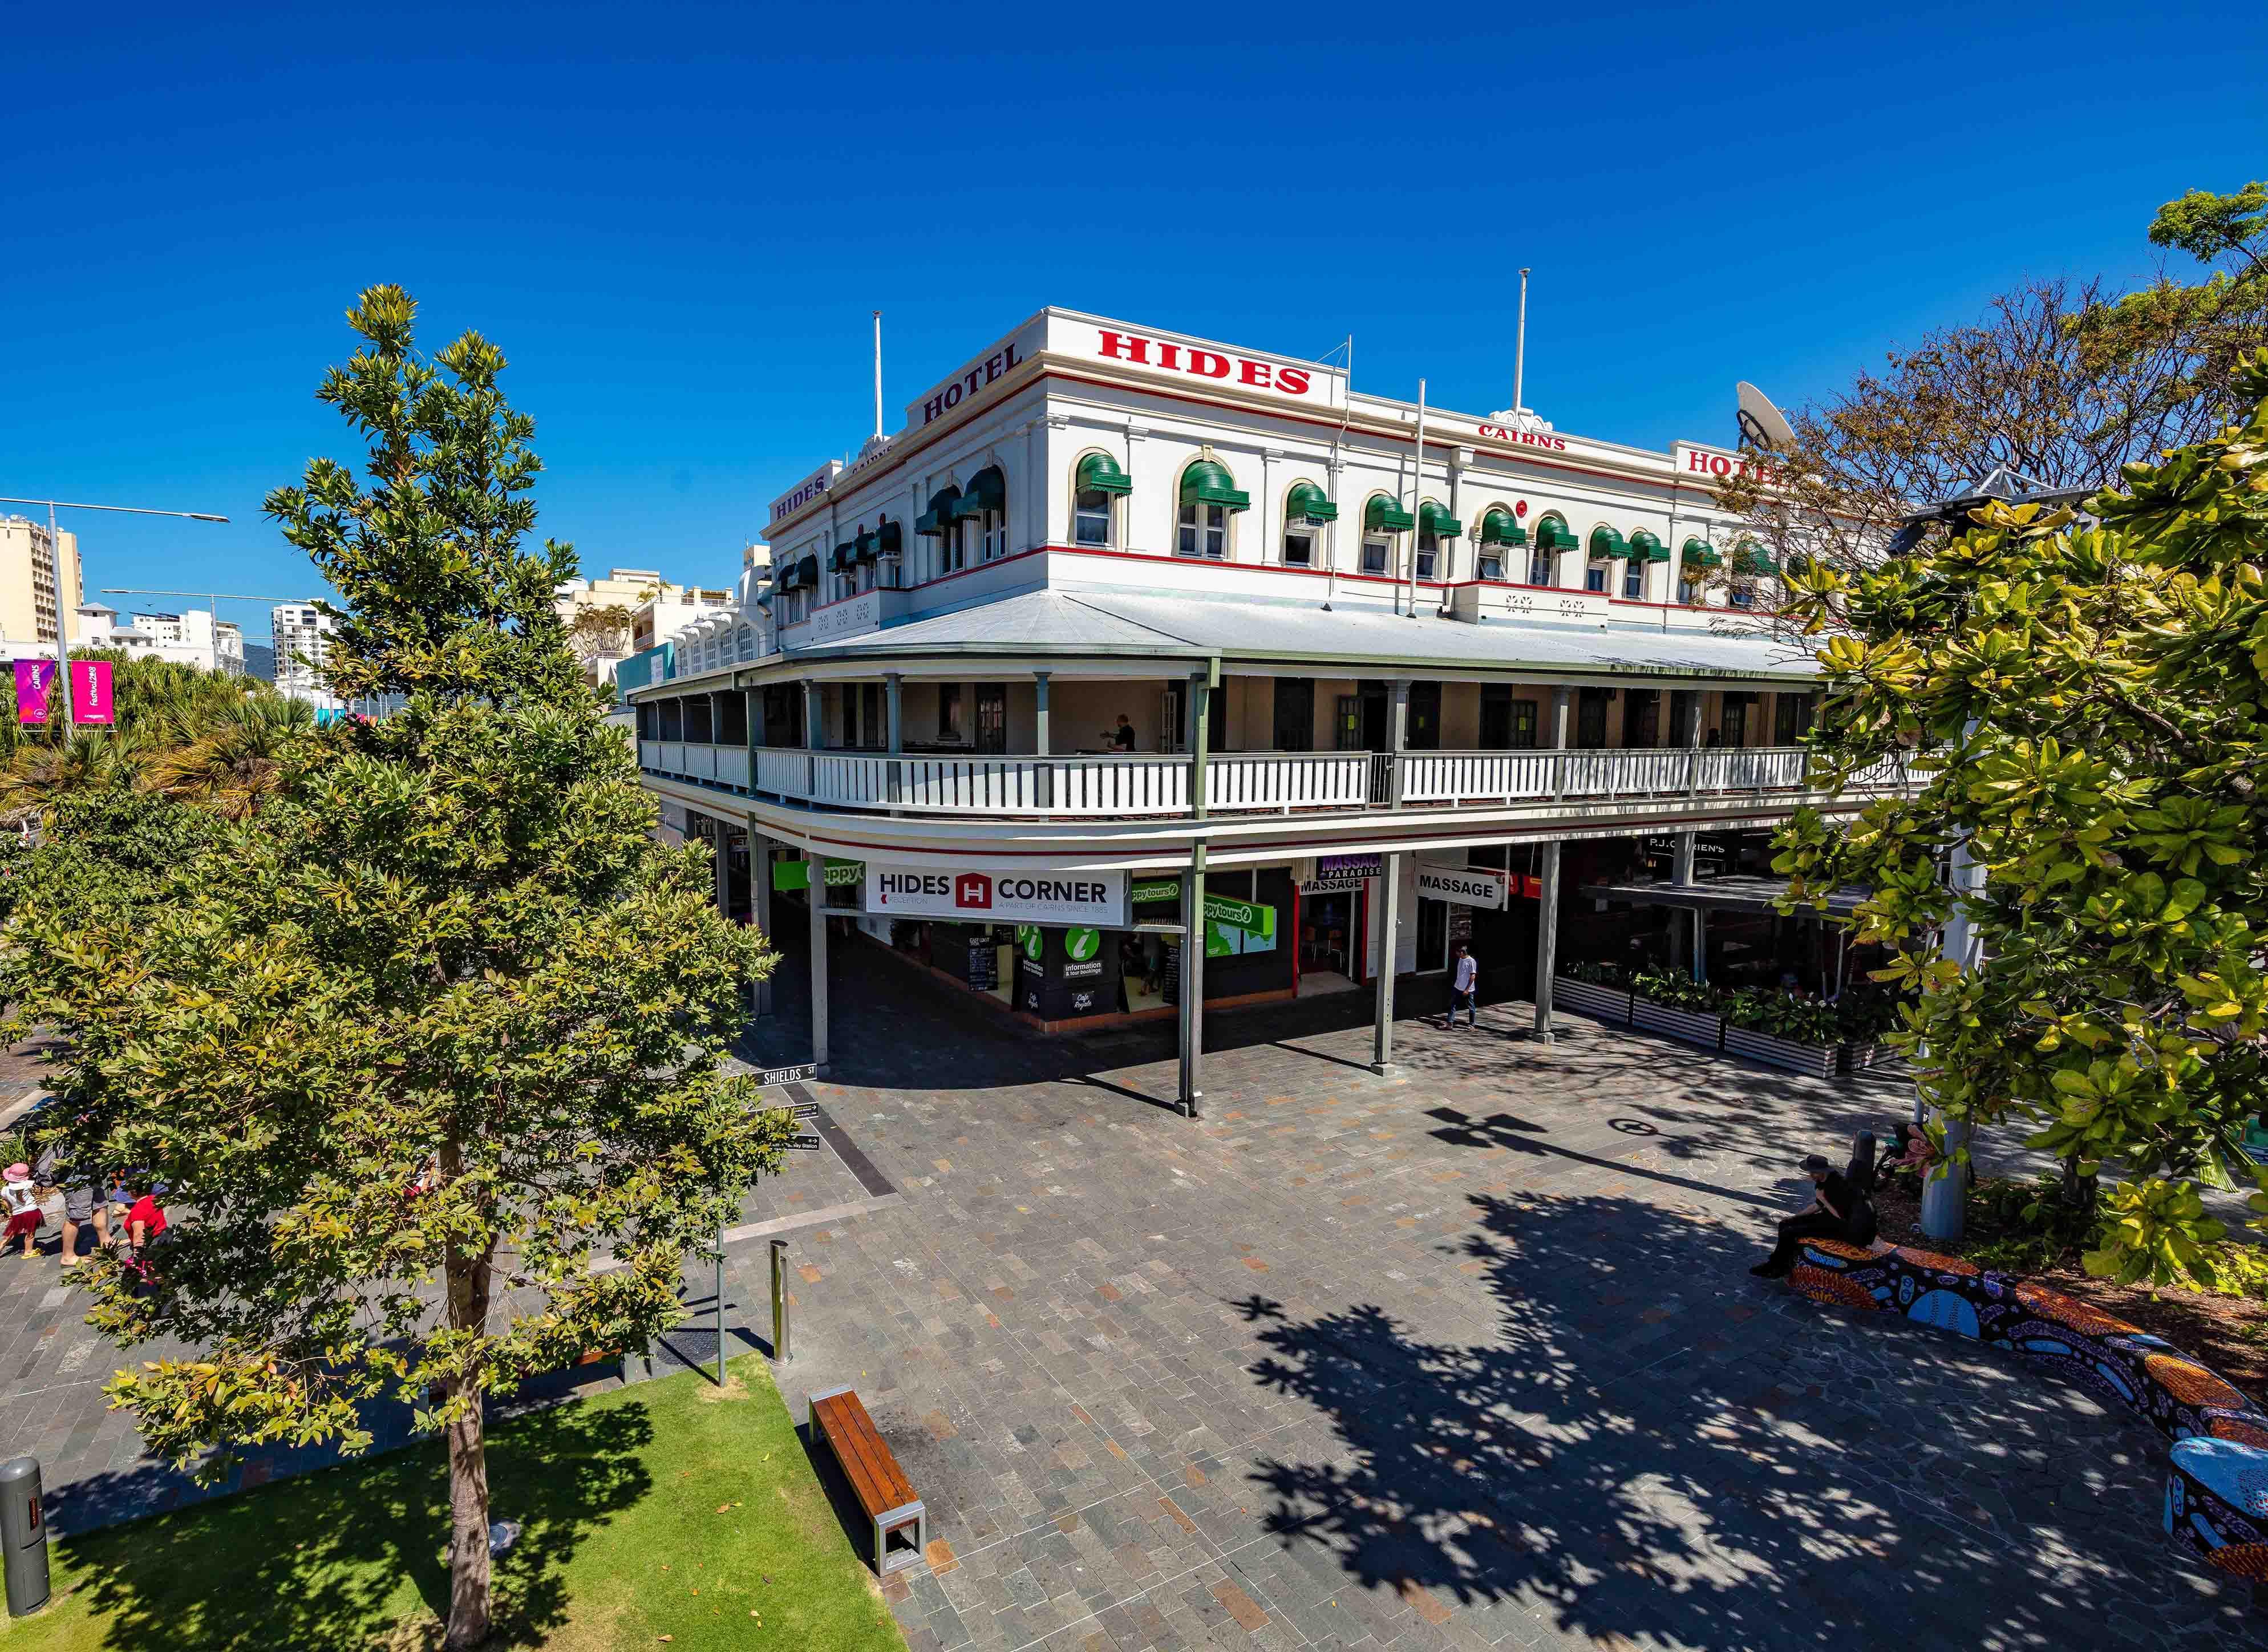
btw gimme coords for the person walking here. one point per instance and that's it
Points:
(21, 1200)
(1464, 988)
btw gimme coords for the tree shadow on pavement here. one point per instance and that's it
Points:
(320, 1561)
(1654, 1447)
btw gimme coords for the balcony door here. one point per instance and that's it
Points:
(993, 718)
(1295, 714)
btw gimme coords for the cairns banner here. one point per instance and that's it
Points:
(90, 682)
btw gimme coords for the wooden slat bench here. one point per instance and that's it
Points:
(879, 1484)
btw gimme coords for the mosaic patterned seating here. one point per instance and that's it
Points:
(2217, 1494)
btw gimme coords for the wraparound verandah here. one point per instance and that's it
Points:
(759, 869)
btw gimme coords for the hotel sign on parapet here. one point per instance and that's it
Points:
(1704, 464)
(805, 492)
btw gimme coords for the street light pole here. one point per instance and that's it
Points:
(55, 564)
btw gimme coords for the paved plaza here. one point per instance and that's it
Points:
(1464, 1357)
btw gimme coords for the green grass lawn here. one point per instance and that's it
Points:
(667, 1509)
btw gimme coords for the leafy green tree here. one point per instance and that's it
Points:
(2092, 704)
(429, 1048)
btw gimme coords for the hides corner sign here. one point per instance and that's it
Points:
(1092, 899)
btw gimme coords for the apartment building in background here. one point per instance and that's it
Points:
(189, 639)
(28, 609)
(655, 606)
(302, 633)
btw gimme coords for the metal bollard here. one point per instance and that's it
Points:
(779, 1302)
(23, 1534)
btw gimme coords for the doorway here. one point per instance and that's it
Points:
(1329, 928)
(1295, 714)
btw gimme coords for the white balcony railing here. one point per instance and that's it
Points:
(1237, 783)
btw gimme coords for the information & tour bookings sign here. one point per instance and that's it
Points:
(970, 894)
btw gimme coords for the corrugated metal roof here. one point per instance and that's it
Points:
(1059, 622)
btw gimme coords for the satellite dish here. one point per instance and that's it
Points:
(1761, 424)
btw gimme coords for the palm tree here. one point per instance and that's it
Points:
(88, 760)
(239, 757)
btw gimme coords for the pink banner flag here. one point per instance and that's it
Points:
(90, 682)
(34, 680)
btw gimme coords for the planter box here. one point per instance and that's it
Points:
(1608, 1003)
(1818, 1061)
(1872, 1057)
(1708, 1031)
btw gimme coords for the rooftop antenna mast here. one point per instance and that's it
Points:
(877, 373)
(1519, 351)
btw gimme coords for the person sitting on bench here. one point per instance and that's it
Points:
(1837, 1210)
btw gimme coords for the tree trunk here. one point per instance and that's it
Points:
(471, 1584)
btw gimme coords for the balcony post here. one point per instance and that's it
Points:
(1388, 926)
(814, 736)
(893, 703)
(816, 894)
(1559, 697)
(1398, 737)
(1044, 791)
(760, 908)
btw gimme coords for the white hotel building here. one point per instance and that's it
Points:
(1370, 694)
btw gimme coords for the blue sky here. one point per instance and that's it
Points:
(675, 219)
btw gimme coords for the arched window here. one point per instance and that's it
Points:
(942, 523)
(1552, 536)
(1500, 533)
(1096, 486)
(1434, 525)
(746, 637)
(1209, 498)
(1307, 510)
(1383, 518)
(1607, 548)
(984, 505)
(1645, 549)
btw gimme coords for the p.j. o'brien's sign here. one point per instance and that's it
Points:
(805, 492)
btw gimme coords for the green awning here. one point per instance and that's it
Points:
(1305, 504)
(1205, 482)
(806, 573)
(1750, 558)
(987, 490)
(1798, 566)
(845, 554)
(1605, 542)
(1552, 534)
(937, 520)
(1383, 515)
(1435, 520)
(1098, 473)
(868, 545)
(889, 540)
(1644, 547)
(1697, 554)
(1501, 528)
(764, 601)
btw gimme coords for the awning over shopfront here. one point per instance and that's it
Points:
(1697, 554)
(1644, 547)
(1435, 520)
(987, 490)
(1750, 558)
(1098, 473)
(1305, 504)
(1737, 892)
(1607, 543)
